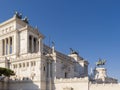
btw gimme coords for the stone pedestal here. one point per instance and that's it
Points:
(101, 76)
(100, 73)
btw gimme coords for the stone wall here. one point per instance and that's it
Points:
(3, 85)
(59, 84)
(20, 85)
(24, 85)
(104, 86)
(71, 84)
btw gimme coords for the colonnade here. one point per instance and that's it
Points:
(33, 44)
(7, 46)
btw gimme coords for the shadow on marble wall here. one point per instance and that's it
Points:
(23, 84)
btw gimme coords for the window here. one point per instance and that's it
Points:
(10, 28)
(44, 68)
(34, 44)
(23, 64)
(34, 63)
(30, 43)
(65, 74)
(20, 65)
(10, 45)
(27, 64)
(38, 46)
(14, 66)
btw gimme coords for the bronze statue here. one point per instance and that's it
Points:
(73, 51)
(18, 15)
(100, 62)
(26, 20)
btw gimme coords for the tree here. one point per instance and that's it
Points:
(6, 72)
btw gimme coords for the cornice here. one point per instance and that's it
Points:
(13, 19)
(7, 22)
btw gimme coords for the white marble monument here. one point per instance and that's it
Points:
(38, 66)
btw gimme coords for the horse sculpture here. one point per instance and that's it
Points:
(100, 62)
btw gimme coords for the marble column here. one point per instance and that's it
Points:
(32, 46)
(5, 46)
(2, 47)
(1, 51)
(12, 44)
(49, 77)
(36, 45)
(40, 46)
(49, 68)
(17, 43)
(9, 45)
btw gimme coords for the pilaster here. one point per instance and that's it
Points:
(36, 49)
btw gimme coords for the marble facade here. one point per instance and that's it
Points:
(36, 65)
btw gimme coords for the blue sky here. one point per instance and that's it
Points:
(91, 27)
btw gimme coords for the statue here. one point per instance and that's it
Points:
(73, 51)
(18, 15)
(53, 44)
(100, 62)
(26, 20)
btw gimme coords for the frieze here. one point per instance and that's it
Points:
(6, 30)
